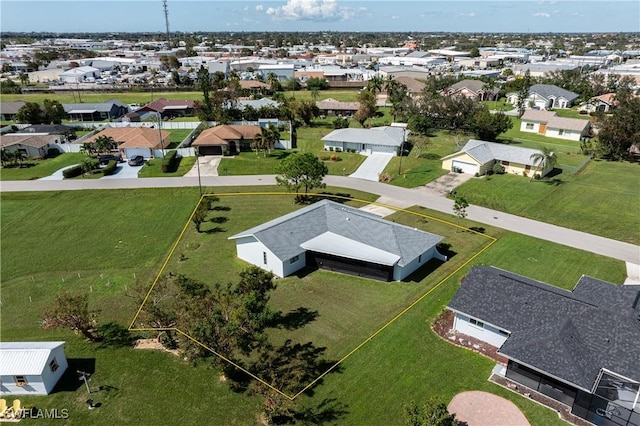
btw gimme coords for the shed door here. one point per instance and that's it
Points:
(468, 168)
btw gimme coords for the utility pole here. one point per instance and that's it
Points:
(404, 139)
(198, 163)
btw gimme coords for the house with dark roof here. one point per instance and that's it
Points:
(330, 235)
(546, 96)
(169, 108)
(331, 106)
(8, 110)
(480, 156)
(548, 123)
(580, 347)
(108, 110)
(376, 140)
(226, 138)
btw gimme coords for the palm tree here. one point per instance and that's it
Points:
(24, 78)
(375, 85)
(544, 159)
(104, 143)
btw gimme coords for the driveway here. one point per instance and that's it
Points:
(371, 168)
(445, 184)
(124, 171)
(57, 175)
(208, 166)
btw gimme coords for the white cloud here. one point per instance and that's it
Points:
(395, 17)
(467, 15)
(259, 8)
(313, 10)
(541, 15)
(246, 8)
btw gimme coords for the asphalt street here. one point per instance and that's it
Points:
(393, 196)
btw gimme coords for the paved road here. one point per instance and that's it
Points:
(401, 196)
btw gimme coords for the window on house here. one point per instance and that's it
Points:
(529, 126)
(294, 259)
(53, 365)
(560, 132)
(503, 333)
(419, 258)
(476, 322)
(505, 163)
(264, 257)
(21, 380)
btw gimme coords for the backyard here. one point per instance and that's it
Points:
(404, 362)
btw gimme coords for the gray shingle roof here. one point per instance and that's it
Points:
(284, 235)
(548, 90)
(101, 106)
(486, 151)
(384, 135)
(567, 334)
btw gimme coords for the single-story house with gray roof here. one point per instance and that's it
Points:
(376, 140)
(332, 236)
(580, 347)
(107, 110)
(546, 96)
(480, 156)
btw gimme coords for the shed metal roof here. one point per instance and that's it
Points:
(25, 358)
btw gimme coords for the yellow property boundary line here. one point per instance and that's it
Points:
(330, 369)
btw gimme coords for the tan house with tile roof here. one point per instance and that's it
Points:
(230, 138)
(31, 146)
(135, 140)
(549, 124)
(331, 106)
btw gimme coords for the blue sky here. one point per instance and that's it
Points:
(321, 15)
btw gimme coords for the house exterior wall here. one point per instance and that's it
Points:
(464, 157)
(292, 265)
(529, 126)
(253, 251)
(480, 330)
(41, 384)
(334, 145)
(572, 135)
(402, 272)
(516, 168)
(30, 151)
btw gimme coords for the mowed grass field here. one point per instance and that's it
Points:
(102, 242)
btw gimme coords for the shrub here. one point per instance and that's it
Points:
(334, 157)
(498, 169)
(338, 149)
(170, 162)
(537, 176)
(476, 174)
(385, 177)
(72, 172)
(53, 152)
(331, 148)
(110, 168)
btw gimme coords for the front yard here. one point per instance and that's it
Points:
(36, 169)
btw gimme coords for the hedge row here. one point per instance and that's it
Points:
(72, 172)
(110, 168)
(170, 162)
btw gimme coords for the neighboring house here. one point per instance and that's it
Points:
(603, 103)
(79, 75)
(473, 89)
(50, 129)
(376, 140)
(31, 146)
(31, 368)
(226, 138)
(169, 108)
(257, 103)
(331, 106)
(134, 141)
(414, 87)
(108, 110)
(480, 156)
(8, 110)
(255, 86)
(549, 124)
(579, 347)
(546, 96)
(330, 235)
(219, 66)
(282, 71)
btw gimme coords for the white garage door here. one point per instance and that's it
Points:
(375, 149)
(130, 152)
(467, 168)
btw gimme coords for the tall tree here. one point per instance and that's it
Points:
(523, 93)
(460, 208)
(304, 110)
(544, 159)
(299, 171)
(620, 130)
(488, 126)
(72, 312)
(53, 111)
(367, 108)
(205, 84)
(31, 113)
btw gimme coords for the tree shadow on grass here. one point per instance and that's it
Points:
(219, 219)
(214, 230)
(294, 319)
(69, 381)
(328, 411)
(221, 208)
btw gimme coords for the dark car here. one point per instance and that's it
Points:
(104, 159)
(136, 160)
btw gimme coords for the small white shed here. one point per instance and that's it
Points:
(31, 368)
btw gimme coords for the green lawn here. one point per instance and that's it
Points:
(602, 199)
(406, 361)
(36, 169)
(500, 105)
(151, 168)
(178, 135)
(570, 113)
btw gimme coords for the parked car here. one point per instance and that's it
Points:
(104, 159)
(136, 160)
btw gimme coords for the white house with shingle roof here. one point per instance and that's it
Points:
(376, 140)
(549, 124)
(330, 235)
(31, 368)
(480, 156)
(546, 96)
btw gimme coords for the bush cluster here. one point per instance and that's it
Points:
(72, 172)
(170, 162)
(110, 168)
